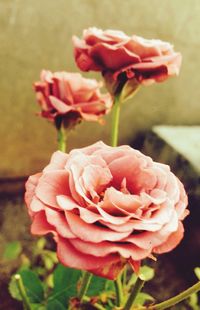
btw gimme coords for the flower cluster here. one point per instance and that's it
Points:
(106, 206)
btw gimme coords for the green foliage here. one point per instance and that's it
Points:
(193, 300)
(49, 259)
(109, 286)
(65, 284)
(146, 273)
(40, 244)
(33, 286)
(97, 285)
(142, 298)
(197, 272)
(59, 283)
(55, 305)
(38, 307)
(12, 250)
(13, 289)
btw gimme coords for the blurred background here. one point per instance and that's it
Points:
(37, 35)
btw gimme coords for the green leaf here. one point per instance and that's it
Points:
(12, 250)
(197, 272)
(146, 273)
(13, 289)
(48, 262)
(142, 298)
(33, 285)
(38, 307)
(41, 242)
(110, 286)
(97, 285)
(49, 259)
(129, 89)
(65, 284)
(55, 305)
(193, 301)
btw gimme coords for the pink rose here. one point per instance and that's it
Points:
(106, 206)
(69, 95)
(127, 57)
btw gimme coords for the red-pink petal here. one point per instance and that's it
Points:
(60, 106)
(173, 240)
(52, 184)
(70, 257)
(40, 226)
(58, 220)
(105, 248)
(30, 186)
(57, 162)
(93, 233)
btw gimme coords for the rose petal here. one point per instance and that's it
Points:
(58, 161)
(112, 57)
(40, 226)
(93, 233)
(173, 240)
(52, 184)
(105, 248)
(58, 220)
(69, 256)
(30, 187)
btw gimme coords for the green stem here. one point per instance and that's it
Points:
(176, 299)
(62, 139)
(119, 291)
(115, 122)
(136, 289)
(85, 284)
(22, 291)
(124, 276)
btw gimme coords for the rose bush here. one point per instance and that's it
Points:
(147, 61)
(106, 206)
(69, 95)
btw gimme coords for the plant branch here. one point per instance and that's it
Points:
(115, 122)
(119, 291)
(176, 299)
(62, 139)
(136, 289)
(85, 284)
(22, 291)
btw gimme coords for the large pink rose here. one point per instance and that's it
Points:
(132, 57)
(107, 206)
(69, 95)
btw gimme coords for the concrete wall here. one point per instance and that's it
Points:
(36, 34)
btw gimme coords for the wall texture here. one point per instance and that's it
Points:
(37, 34)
